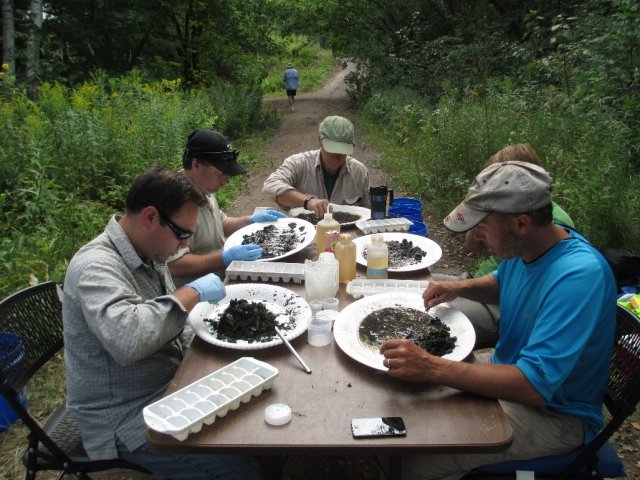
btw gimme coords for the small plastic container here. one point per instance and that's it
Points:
(331, 303)
(277, 414)
(316, 306)
(319, 332)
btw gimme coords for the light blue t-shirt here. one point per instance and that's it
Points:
(290, 79)
(557, 324)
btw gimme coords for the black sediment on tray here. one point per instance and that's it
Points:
(402, 253)
(423, 329)
(276, 241)
(340, 217)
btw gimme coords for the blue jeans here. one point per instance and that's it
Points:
(194, 466)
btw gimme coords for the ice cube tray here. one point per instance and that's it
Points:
(185, 411)
(384, 225)
(266, 271)
(364, 286)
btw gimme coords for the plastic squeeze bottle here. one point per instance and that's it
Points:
(377, 258)
(323, 226)
(346, 254)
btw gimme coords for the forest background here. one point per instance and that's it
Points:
(93, 92)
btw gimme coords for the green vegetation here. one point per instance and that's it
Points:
(440, 87)
(447, 145)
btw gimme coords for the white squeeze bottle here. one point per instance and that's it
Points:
(377, 258)
(323, 226)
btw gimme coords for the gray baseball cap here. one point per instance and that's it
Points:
(508, 187)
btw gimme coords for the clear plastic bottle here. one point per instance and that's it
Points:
(323, 226)
(377, 258)
(346, 255)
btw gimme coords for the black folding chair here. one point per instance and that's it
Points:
(598, 459)
(31, 328)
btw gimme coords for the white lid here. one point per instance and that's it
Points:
(277, 414)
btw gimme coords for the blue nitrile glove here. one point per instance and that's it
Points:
(267, 216)
(210, 288)
(250, 251)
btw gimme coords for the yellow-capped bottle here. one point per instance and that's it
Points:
(323, 226)
(346, 254)
(377, 258)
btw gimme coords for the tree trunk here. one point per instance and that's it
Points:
(33, 47)
(8, 38)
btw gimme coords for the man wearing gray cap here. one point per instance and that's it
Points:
(315, 178)
(557, 299)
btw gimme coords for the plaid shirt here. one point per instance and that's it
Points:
(124, 340)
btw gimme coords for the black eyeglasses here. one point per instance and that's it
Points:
(228, 156)
(180, 233)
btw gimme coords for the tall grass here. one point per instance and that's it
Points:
(446, 145)
(66, 163)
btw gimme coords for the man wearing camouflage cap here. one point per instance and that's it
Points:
(315, 178)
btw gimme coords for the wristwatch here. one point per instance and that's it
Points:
(306, 201)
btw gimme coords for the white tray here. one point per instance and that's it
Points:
(265, 271)
(364, 286)
(384, 225)
(185, 411)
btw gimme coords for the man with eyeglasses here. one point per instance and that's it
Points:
(125, 328)
(209, 161)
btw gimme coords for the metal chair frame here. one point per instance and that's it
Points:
(621, 398)
(34, 315)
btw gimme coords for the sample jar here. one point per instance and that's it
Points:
(377, 258)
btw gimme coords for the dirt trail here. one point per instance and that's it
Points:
(298, 132)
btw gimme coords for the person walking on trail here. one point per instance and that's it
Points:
(290, 80)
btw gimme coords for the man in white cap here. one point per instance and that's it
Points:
(557, 299)
(315, 178)
(209, 161)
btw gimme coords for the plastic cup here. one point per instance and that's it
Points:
(319, 333)
(316, 306)
(330, 303)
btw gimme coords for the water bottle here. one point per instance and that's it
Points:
(323, 226)
(377, 258)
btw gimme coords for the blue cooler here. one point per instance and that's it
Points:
(419, 228)
(412, 214)
(12, 356)
(407, 202)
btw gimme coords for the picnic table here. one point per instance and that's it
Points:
(438, 419)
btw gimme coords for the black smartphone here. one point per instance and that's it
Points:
(378, 427)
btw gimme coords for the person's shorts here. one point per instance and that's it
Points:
(291, 93)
